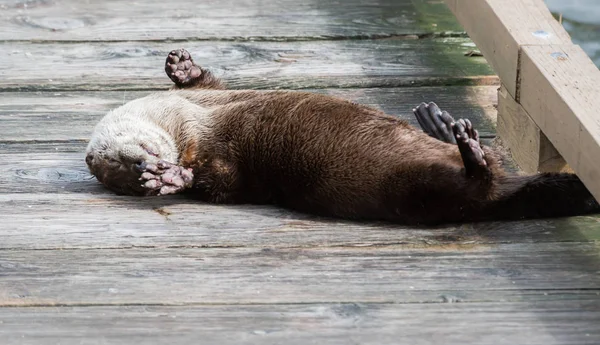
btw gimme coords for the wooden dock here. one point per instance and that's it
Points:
(79, 265)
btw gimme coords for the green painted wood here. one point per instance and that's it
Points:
(264, 65)
(73, 20)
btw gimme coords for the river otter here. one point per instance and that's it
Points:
(314, 153)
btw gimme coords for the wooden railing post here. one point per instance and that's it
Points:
(549, 102)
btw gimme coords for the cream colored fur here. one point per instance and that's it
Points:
(159, 122)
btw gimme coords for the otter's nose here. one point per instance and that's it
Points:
(89, 158)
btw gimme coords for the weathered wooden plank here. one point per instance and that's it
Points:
(500, 31)
(127, 65)
(73, 20)
(529, 147)
(47, 172)
(102, 220)
(559, 90)
(526, 46)
(78, 146)
(381, 274)
(72, 115)
(543, 323)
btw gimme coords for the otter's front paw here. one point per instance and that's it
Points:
(180, 67)
(165, 178)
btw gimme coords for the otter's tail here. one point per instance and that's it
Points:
(541, 196)
(538, 196)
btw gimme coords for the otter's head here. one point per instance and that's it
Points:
(120, 144)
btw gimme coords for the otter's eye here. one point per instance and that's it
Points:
(148, 150)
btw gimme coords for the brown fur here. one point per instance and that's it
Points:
(327, 156)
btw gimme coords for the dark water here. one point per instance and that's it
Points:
(581, 18)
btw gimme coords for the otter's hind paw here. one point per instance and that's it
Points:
(180, 67)
(165, 178)
(470, 149)
(435, 122)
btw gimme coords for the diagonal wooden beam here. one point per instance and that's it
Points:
(560, 90)
(553, 85)
(500, 28)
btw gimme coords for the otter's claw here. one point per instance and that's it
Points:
(165, 178)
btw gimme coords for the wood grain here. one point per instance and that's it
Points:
(53, 172)
(79, 265)
(559, 90)
(384, 274)
(508, 323)
(102, 220)
(45, 116)
(74, 20)
(500, 31)
(78, 146)
(293, 65)
(529, 146)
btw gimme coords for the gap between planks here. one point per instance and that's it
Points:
(291, 39)
(446, 297)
